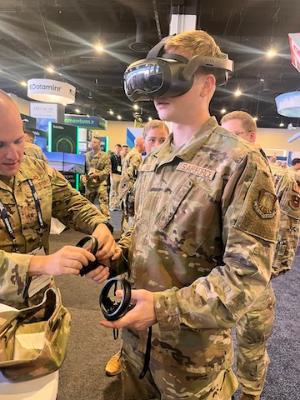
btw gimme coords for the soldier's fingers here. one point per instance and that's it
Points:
(117, 253)
(97, 271)
(127, 320)
(101, 276)
(105, 252)
(69, 271)
(81, 255)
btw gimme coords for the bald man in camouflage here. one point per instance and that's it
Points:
(255, 327)
(30, 194)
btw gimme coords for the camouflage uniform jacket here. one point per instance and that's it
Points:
(32, 150)
(287, 185)
(130, 168)
(57, 199)
(100, 162)
(204, 239)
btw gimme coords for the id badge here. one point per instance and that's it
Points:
(119, 168)
(38, 282)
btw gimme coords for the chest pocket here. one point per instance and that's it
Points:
(168, 212)
(28, 207)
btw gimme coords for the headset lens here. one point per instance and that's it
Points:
(143, 79)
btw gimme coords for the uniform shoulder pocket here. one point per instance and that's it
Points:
(259, 209)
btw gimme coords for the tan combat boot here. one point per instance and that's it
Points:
(245, 396)
(114, 366)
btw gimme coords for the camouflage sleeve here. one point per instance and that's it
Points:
(250, 215)
(288, 193)
(71, 208)
(134, 164)
(13, 274)
(122, 264)
(104, 166)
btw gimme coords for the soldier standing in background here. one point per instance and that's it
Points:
(98, 170)
(255, 327)
(206, 223)
(124, 151)
(31, 149)
(130, 167)
(115, 177)
(30, 193)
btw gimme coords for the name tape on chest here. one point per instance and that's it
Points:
(194, 169)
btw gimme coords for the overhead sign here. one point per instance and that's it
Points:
(288, 104)
(86, 122)
(45, 110)
(51, 91)
(294, 41)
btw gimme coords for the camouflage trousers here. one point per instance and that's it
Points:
(164, 383)
(253, 331)
(101, 194)
(114, 190)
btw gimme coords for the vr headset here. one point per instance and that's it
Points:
(170, 75)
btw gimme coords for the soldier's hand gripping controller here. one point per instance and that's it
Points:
(89, 243)
(113, 309)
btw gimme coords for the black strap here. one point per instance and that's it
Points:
(37, 205)
(5, 216)
(10, 231)
(147, 355)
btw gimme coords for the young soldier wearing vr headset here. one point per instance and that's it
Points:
(201, 249)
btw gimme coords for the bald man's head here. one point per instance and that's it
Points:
(139, 143)
(11, 136)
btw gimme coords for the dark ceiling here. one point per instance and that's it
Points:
(36, 33)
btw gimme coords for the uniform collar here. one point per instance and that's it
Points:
(25, 172)
(166, 152)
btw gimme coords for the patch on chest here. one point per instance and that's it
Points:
(194, 169)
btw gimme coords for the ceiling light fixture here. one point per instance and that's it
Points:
(119, 117)
(77, 110)
(111, 112)
(98, 47)
(23, 83)
(223, 111)
(255, 118)
(50, 69)
(281, 124)
(271, 53)
(135, 107)
(150, 119)
(238, 93)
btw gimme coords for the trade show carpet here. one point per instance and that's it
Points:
(82, 376)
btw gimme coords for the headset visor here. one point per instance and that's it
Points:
(144, 78)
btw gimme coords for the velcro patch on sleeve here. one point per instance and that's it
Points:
(260, 210)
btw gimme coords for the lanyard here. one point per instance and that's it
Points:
(5, 216)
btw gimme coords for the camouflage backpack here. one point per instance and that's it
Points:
(33, 340)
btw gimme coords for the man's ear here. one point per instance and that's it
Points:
(253, 136)
(208, 86)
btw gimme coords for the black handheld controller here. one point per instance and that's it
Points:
(91, 244)
(112, 309)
